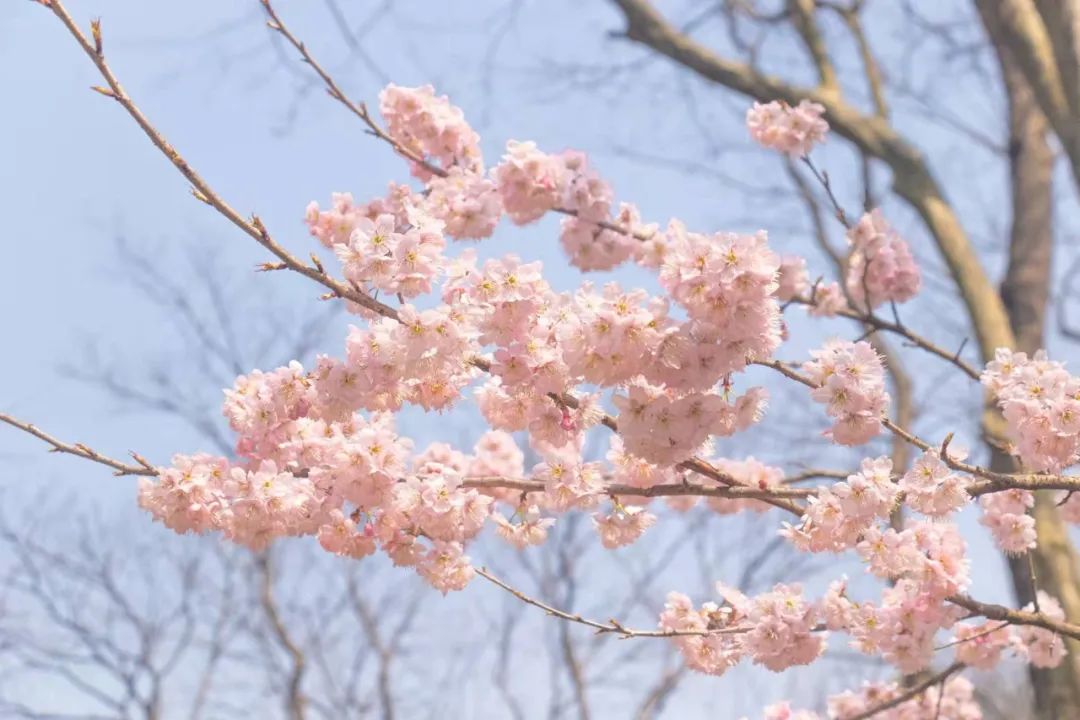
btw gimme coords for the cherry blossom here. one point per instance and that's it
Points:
(622, 526)
(1041, 403)
(828, 300)
(792, 130)
(531, 530)
(530, 182)
(881, 268)
(467, 203)
(1043, 648)
(793, 279)
(850, 381)
(980, 645)
(931, 488)
(430, 126)
(1005, 514)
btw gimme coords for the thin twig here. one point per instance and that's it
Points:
(913, 692)
(976, 636)
(78, 449)
(879, 323)
(611, 626)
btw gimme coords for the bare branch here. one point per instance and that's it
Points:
(79, 450)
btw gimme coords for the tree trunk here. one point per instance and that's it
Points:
(1025, 292)
(1043, 37)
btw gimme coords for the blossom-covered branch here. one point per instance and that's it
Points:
(317, 452)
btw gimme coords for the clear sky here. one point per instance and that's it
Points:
(75, 174)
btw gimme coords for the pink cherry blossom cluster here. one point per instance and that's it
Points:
(459, 197)
(1005, 514)
(335, 226)
(531, 530)
(431, 127)
(359, 491)
(881, 268)
(468, 203)
(623, 525)
(421, 357)
(727, 283)
(1041, 403)
(930, 553)
(792, 130)
(954, 699)
(981, 645)
(667, 430)
(200, 493)
(611, 335)
(532, 183)
(850, 381)
(828, 300)
(777, 629)
(463, 204)
(382, 255)
(630, 469)
(928, 559)
(838, 515)
(792, 279)
(726, 286)
(589, 245)
(931, 488)
(903, 626)
(316, 469)
(592, 246)
(568, 481)
(1043, 648)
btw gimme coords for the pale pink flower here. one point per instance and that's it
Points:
(1043, 648)
(793, 279)
(827, 300)
(622, 526)
(850, 380)
(931, 488)
(792, 130)
(530, 182)
(881, 264)
(431, 127)
(1005, 514)
(468, 203)
(980, 645)
(1041, 404)
(532, 529)
(446, 567)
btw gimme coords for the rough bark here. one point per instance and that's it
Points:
(1025, 291)
(1043, 38)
